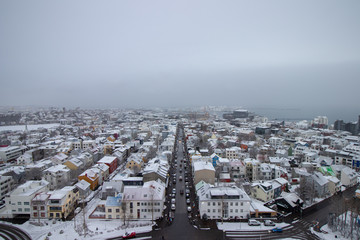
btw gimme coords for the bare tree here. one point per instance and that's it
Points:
(124, 211)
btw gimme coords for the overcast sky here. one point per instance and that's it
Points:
(180, 53)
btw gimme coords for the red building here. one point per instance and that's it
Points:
(111, 161)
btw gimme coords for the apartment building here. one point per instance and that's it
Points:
(18, 201)
(223, 202)
(6, 184)
(58, 176)
(62, 202)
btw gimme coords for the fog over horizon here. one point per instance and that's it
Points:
(263, 54)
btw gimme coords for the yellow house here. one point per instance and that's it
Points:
(62, 202)
(74, 164)
(91, 177)
(262, 191)
(134, 163)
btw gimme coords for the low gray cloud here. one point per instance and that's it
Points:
(180, 53)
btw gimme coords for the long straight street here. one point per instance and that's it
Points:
(182, 226)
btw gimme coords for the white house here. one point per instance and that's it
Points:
(58, 176)
(348, 177)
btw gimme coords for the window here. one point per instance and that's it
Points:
(26, 203)
(236, 210)
(236, 204)
(231, 210)
(42, 215)
(138, 204)
(218, 203)
(27, 209)
(42, 208)
(35, 214)
(117, 210)
(241, 210)
(109, 216)
(35, 208)
(19, 203)
(208, 203)
(213, 203)
(208, 210)
(109, 210)
(19, 209)
(231, 204)
(242, 204)
(213, 210)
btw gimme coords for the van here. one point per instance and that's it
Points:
(253, 222)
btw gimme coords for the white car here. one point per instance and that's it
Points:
(173, 200)
(189, 209)
(269, 223)
(253, 222)
(173, 207)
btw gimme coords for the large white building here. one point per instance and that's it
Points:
(6, 184)
(10, 153)
(223, 202)
(18, 201)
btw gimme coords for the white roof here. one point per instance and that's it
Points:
(200, 165)
(107, 159)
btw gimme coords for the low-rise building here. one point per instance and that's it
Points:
(39, 206)
(58, 176)
(223, 202)
(18, 201)
(262, 191)
(91, 177)
(62, 202)
(203, 171)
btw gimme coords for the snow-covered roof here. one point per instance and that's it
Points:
(107, 159)
(258, 206)
(200, 165)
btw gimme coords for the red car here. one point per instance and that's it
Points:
(129, 235)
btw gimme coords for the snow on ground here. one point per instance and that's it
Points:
(244, 226)
(329, 235)
(97, 229)
(30, 127)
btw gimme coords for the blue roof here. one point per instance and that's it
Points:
(113, 201)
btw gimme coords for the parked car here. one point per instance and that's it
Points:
(253, 222)
(189, 209)
(181, 191)
(277, 230)
(129, 235)
(173, 207)
(269, 223)
(173, 200)
(174, 190)
(188, 201)
(180, 178)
